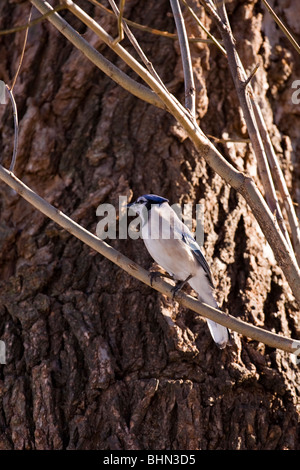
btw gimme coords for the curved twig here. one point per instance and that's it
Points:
(16, 128)
(150, 30)
(272, 339)
(12, 99)
(134, 42)
(22, 53)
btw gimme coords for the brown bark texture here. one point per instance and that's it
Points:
(94, 358)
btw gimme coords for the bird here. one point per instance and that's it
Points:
(172, 246)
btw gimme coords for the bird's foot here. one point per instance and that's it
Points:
(155, 274)
(177, 288)
(179, 285)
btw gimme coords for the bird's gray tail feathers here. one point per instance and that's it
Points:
(219, 333)
(204, 290)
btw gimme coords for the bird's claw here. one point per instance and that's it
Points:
(177, 288)
(155, 274)
(179, 285)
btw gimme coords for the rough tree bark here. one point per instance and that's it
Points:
(95, 359)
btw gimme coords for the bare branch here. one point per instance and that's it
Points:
(120, 21)
(190, 92)
(22, 54)
(279, 180)
(16, 128)
(16, 29)
(248, 80)
(272, 339)
(245, 186)
(150, 30)
(212, 38)
(282, 27)
(240, 81)
(268, 148)
(137, 89)
(160, 90)
(135, 43)
(229, 140)
(13, 103)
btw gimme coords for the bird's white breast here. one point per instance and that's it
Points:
(165, 244)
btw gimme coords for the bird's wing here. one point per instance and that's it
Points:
(193, 245)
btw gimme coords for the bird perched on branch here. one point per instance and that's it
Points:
(173, 247)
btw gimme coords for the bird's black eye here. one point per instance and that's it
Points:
(142, 200)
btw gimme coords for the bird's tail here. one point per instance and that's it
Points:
(220, 333)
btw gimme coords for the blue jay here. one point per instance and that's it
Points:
(173, 247)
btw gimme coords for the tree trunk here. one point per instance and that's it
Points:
(94, 358)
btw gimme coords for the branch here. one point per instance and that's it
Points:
(279, 180)
(229, 140)
(258, 334)
(282, 27)
(244, 185)
(134, 42)
(241, 82)
(137, 89)
(16, 128)
(22, 54)
(147, 29)
(269, 152)
(153, 83)
(212, 38)
(189, 85)
(13, 103)
(16, 29)
(120, 20)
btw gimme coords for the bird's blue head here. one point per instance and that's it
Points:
(146, 201)
(142, 206)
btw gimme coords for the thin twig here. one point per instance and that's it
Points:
(22, 53)
(229, 140)
(282, 27)
(212, 38)
(272, 339)
(16, 128)
(189, 85)
(269, 151)
(135, 43)
(244, 185)
(16, 29)
(279, 180)
(156, 85)
(147, 29)
(248, 80)
(13, 103)
(137, 89)
(120, 22)
(240, 79)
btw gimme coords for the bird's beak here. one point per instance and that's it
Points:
(130, 204)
